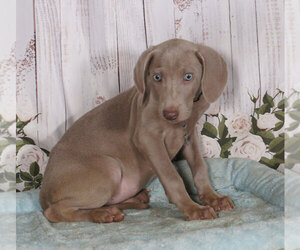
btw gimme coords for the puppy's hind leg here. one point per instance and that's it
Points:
(62, 212)
(85, 191)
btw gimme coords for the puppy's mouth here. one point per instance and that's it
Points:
(175, 121)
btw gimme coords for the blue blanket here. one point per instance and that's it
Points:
(256, 223)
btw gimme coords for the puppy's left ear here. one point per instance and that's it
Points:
(214, 74)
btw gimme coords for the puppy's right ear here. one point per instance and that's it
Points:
(141, 71)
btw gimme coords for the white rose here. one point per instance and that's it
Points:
(210, 148)
(248, 147)
(12, 130)
(8, 158)
(29, 154)
(267, 121)
(238, 124)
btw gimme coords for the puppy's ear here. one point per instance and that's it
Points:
(141, 70)
(214, 73)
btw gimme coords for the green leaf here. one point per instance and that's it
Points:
(295, 115)
(37, 185)
(28, 140)
(28, 184)
(46, 151)
(283, 135)
(225, 143)
(280, 115)
(10, 176)
(223, 130)
(34, 169)
(25, 176)
(296, 105)
(293, 126)
(267, 136)
(19, 144)
(279, 158)
(209, 130)
(18, 179)
(267, 99)
(276, 145)
(278, 126)
(265, 108)
(224, 154)
(38, 178)
(292, 144)
(281, 105)
(254, 128)
(269, 162)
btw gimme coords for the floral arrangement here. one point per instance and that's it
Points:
(31, 159)
(256, 136)
(292, 141)
(8, 155)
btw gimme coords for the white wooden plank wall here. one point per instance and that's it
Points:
(50, 88)
(86, 50)
(26, 59)
(292, 44)
(89, 55)
(8, 60)
(270, 30)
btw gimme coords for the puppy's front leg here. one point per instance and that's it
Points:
(153, 148)
(198, 166)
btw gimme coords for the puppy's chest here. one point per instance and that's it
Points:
(174, 140)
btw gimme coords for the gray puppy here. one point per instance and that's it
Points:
(104, 160)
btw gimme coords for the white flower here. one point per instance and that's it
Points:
(29, 154)
(248, 147)
(12, 130)
(210, 148)
(267, 121)
(8, 158)
(238, 124)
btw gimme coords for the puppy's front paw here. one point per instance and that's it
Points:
(218, 202)
(198, 212)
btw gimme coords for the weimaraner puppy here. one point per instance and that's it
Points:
(103, 162)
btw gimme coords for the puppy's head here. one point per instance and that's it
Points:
(175, 73)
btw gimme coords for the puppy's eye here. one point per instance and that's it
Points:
(157, 77)
(188, 76)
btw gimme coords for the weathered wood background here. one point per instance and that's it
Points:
(74, 54)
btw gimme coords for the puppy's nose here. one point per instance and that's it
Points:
(170, 114)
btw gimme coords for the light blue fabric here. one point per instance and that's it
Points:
(256, 223)
(292, 210)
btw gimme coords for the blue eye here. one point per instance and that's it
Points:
(157, 77)
(188, 76)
